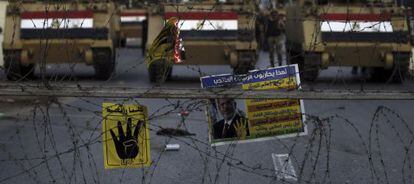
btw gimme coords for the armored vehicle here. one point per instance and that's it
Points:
(132, 28)
(410, 7)
(60, 32)
(213, 33)
(349, 33)
(3, 6)
(133, 23)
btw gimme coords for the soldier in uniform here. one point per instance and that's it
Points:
(260, 27)
(275, 39)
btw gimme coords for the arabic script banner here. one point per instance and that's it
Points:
(252, 77)
(255, 119)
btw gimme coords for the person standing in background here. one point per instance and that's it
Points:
(274, 33)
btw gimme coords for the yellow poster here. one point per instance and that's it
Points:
(126, 142)
(253, 120)
(272, 117)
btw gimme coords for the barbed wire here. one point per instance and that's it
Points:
(51, 145)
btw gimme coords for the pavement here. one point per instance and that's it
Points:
(60, 141)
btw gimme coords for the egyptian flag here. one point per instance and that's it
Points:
(360, 27)
(203, 25)
(59, 24)
(128, 18)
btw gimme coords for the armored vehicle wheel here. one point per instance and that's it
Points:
(159, 71)
(122, 42)
(378, 74)
(169, 74)
(400, 73)
(307, 72)
(242, 68)
(310, 72)
(12, 66)
(397, 74)
(401, 68)
(14, 70)
(28, 71)
(293, 58)
(104, 63)
(246, 61)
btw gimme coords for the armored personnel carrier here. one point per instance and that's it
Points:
(213, 34)
(133, 16)
(3, 7)
(359, 33)
(58, 32)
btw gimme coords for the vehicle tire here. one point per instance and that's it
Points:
(307, 72)
(28, 71)
(103, 63)
(400, 70)
(12, 67)
(246, 62)
(242, 68)
(395, 75)
(291, 58)
(159, 71)
(122, 42)
(379, 74)
(310, 72)
(169, 74)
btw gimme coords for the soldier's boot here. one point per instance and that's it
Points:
(272, 63)
(364, 70)
(272, 59)
(279, 59)
(354, 70)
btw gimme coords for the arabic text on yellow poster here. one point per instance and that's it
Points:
(126, 141)
(272, 117)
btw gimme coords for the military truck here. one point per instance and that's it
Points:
(349, 33)
(60, 32)
(213, 33)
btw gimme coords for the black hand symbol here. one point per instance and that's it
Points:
(127, 146)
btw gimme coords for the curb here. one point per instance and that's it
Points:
(32, 100)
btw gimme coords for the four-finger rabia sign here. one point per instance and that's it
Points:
(126, 141)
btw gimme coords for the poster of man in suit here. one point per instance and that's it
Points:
(250, 120)
(233, 123)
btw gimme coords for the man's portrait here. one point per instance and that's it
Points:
(234, 123)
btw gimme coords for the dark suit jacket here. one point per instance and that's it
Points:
(231, 132)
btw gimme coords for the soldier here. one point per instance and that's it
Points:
(274, 33)
(260, 27)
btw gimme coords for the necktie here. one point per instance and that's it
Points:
(226, 127)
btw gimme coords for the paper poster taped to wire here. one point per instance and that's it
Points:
(126, 141)
(251, 120)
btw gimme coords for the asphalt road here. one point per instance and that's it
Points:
(60, 140)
